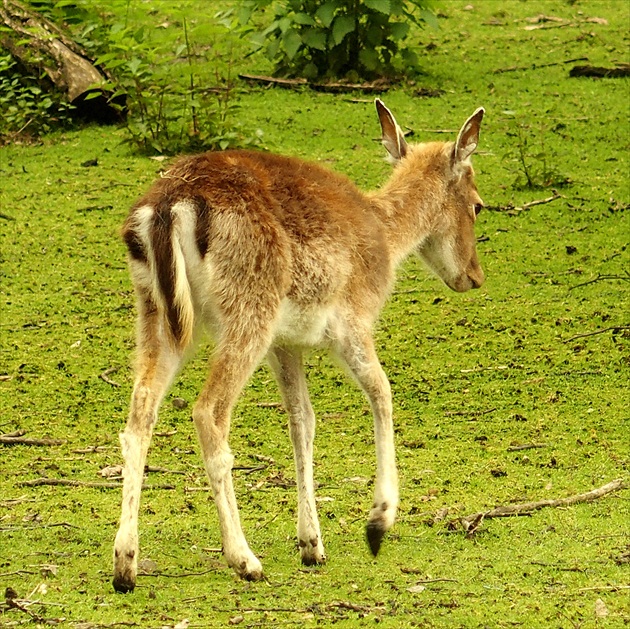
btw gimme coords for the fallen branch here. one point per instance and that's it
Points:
(536, 66)
(271, 80)
(605, 588)
(178, 575)
(614, 328)
(18, 438)
(471, 523)
(468, 413)
(49, 52)
(332, 87)
(40, 482)
(39, 526)
(15, 433)
(526, 446)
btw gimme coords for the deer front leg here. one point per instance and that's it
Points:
(289, 372)
(356, 348)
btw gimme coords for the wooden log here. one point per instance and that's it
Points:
(44, 49)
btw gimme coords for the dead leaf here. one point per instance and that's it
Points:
(597, 20)
(111, 470)
(236, 620)
(48, 570)
(416, 589)
(601, 611)
(147, 566)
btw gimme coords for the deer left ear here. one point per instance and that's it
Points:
(393, 137)
(468, 137)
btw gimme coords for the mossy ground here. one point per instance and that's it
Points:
(472, 375)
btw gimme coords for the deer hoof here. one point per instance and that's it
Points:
(312, 552)
(374, 533)
(124, 583)
(249, 569)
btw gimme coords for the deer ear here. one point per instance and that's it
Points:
(393, 137)
(468, 137)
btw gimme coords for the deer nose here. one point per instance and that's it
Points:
(477, 278)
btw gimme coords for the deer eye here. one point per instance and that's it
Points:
(478, 207)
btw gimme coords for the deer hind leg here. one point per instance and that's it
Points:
(289, 372)
(237, 355)
(157, 364)
(356, 349)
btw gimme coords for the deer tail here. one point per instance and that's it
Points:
(155, 241)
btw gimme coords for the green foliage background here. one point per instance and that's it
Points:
(473, 375)
(338, 38)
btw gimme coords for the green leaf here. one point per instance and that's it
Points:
(429, 18)
(383, 6)
(369, 58)
(342, 25)
(409, 57)
(292, 42)
(399, 30)
(285, 24)
(272, 49)
(326, 13)
(397, 7)
(243, 14)
(374, 35)
(314, 38)
(303, 18)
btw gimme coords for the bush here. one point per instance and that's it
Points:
(169, 113)
(339, 38)
(29, 107)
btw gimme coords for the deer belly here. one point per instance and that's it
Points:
(302, 326)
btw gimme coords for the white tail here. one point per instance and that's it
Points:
(274, 255)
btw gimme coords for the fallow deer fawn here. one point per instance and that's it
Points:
(274, 255)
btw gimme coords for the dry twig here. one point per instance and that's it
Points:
(601, 277)
(105, 376)
(536, 66)
(39, 482)
(18, 438)
(615, 328)
(526, 446)
(471, 523)
(510, 208)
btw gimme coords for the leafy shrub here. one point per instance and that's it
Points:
(339, 38)
(169, 113)
(29, 107)
(537, 163)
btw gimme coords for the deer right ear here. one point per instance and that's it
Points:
(393, 137)
(468, 137)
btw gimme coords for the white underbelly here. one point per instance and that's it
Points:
(302, 326)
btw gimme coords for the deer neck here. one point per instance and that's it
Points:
(409, 203)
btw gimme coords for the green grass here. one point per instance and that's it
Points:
(472, 374)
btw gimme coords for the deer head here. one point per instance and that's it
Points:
(435, 186)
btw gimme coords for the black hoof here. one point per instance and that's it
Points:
(122, 585)
(375, 536)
